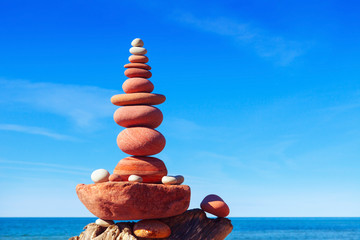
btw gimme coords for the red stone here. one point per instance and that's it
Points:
(132, 201)
(137, 72)
(151, 229)
(141, 141)
(138, 59)
(151, 169)
(133, 85)
(137, 65)
(138, 116)
(137, 99)
(115, 178)
(215, 205)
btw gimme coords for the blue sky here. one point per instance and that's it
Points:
(263, 101)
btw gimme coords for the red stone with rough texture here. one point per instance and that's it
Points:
(215, 205)
(151, 229)
(115, 178)
(137, 99)
(138, 116)
(141, 141)
(137, 72)
(133, 201)
(137, 65)
(133, 85)
(138, 59)
(151, 169)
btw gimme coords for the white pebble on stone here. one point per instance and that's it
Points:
(169, 180)
(104, 223)
(100, 175)
(179, 179)
(138, 50)
(137, 42)
(135, 178)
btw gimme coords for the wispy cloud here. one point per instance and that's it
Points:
(264, 43)
(82, 104)
(43, 167)
(36, 131)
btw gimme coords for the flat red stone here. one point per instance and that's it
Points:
(138, 116)
(137, 72)
(133, 201)
(215, 205)
(138, 59)
(141, 141)
(133, 85)
(137, 65)
(151, 169)
(137, 99)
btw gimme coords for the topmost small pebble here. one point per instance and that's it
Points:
(137, 42)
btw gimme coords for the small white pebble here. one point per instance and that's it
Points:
(100, 175)
(138, 50)
(169, 180)
(135, 178)
(104, 223)
(137, 42)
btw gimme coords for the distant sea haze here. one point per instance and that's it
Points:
(244, 228)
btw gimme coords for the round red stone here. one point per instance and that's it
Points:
(138, 59)
(133, 85)
(137, 72)
(141, 141)
(151, 169)
(215, 205)
(138, 116)
(137, 99)
(137, 65)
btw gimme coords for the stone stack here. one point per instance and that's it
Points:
(140, 119)
(139, 188)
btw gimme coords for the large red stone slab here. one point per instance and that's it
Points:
(133, 201)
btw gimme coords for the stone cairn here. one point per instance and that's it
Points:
(139, 188)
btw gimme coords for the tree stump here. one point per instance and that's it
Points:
(191, 225)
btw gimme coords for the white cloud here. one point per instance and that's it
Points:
(265, 44)
(36, 131)
(82, 104)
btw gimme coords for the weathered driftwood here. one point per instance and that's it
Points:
(191, 225)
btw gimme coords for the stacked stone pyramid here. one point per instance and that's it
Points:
(139, 187)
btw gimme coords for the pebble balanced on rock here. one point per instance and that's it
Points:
(140, 119)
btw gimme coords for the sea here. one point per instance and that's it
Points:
(244, 228)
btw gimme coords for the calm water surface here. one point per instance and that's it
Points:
(244, 228)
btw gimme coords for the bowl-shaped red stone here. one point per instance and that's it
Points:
(133, 201)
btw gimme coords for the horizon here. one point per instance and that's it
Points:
(262, 108)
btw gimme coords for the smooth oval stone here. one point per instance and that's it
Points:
(138, 50)
(169, 180)
(135, 178)
(100, 175)
(137, 99)
(137, 65)
(115, 178)
(137, 72)
(215, 205)
(179, 179)
(138, 116)
(151, 229)
(104, 223)
(141, 141)
(133, 85)
(151, 169)
(137, 42)
(138, 59)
